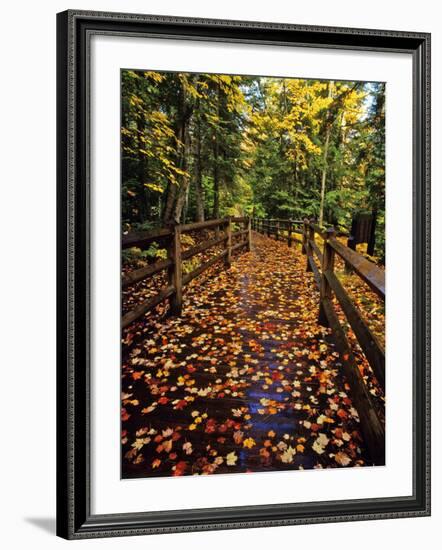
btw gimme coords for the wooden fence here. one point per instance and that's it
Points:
(231, 233)
(320, 260)
(284, 230)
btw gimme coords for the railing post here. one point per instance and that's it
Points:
(229, 242)
(176, 272)
(268, 227)
(249, 234)
(350, 244)
(305, 236)
(328, 264)
(309, 248)
(289, 235)
(277, 230)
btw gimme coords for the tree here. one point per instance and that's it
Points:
(197, 146)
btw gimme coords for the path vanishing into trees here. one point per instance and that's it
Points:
(245, 379)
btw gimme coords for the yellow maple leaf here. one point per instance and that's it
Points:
(249, 442)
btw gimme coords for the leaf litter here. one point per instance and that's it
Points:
(244, 381)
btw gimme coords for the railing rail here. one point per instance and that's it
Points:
(142, 238)
(278, 228)
(227, 235)
(367, 271)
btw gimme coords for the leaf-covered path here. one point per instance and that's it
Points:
(246, 380)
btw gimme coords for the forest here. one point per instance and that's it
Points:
(203, 146)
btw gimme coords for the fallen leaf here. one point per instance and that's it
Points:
(231, 459)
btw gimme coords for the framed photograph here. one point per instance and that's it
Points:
(243, 274)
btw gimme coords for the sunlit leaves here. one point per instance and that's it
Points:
(231, 459)
(287, 455)
(187, 448)
(342, 459)
(249, 442)
(320, 443)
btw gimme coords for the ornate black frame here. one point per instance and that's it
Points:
(74, 519)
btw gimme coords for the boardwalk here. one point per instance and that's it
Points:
(245, 380)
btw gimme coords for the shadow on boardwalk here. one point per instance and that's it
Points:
(246, 380)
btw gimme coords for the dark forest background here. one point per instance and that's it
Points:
(201, 146)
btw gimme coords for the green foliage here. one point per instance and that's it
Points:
(136, 257)
(202, 145)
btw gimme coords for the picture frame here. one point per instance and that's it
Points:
(75, 519)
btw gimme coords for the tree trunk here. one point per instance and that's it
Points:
(341, 146)
(184, 187)
(170, 202)
(324, 174)
(186, 111)
(174, 203)
(324, 158)
(199, 192)
(142, 168)
(186, 205)
(215, 212)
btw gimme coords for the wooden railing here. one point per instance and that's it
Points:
(287, 230)
(321, 262)
(225, 234)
